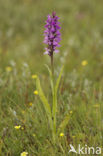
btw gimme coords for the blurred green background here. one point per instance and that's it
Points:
(81, 90)
(22, 26)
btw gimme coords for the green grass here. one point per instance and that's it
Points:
(81, 88)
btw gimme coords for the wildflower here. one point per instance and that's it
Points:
(34, 76)
(17, 127)
(61, 134)
(34, 135)
(36, 92)
(22, 128)
(24, 154)
(96, 105)
(8, 69)
(23, 112)
(84, 63)
(52, 34)
(71, 112)
(30, 103)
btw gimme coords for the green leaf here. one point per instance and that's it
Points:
(58, 80)
(55, 89)
(50, 73)
(44, 101)
(55, 93)
(63, 124)
(51, 76)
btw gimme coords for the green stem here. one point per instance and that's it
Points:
(53, 114)
(54, 111)
(52, 65)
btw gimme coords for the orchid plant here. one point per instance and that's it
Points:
(52, 37)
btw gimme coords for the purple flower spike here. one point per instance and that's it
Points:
(52, 35)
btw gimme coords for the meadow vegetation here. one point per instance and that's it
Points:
(24, 125)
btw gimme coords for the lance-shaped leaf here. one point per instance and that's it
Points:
(44, 101)
(55, 97)
(58, 80)
(63, 124)
(51, 76)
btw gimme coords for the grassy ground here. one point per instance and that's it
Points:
(81, 90)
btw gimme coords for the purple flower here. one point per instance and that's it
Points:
(52, 35)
